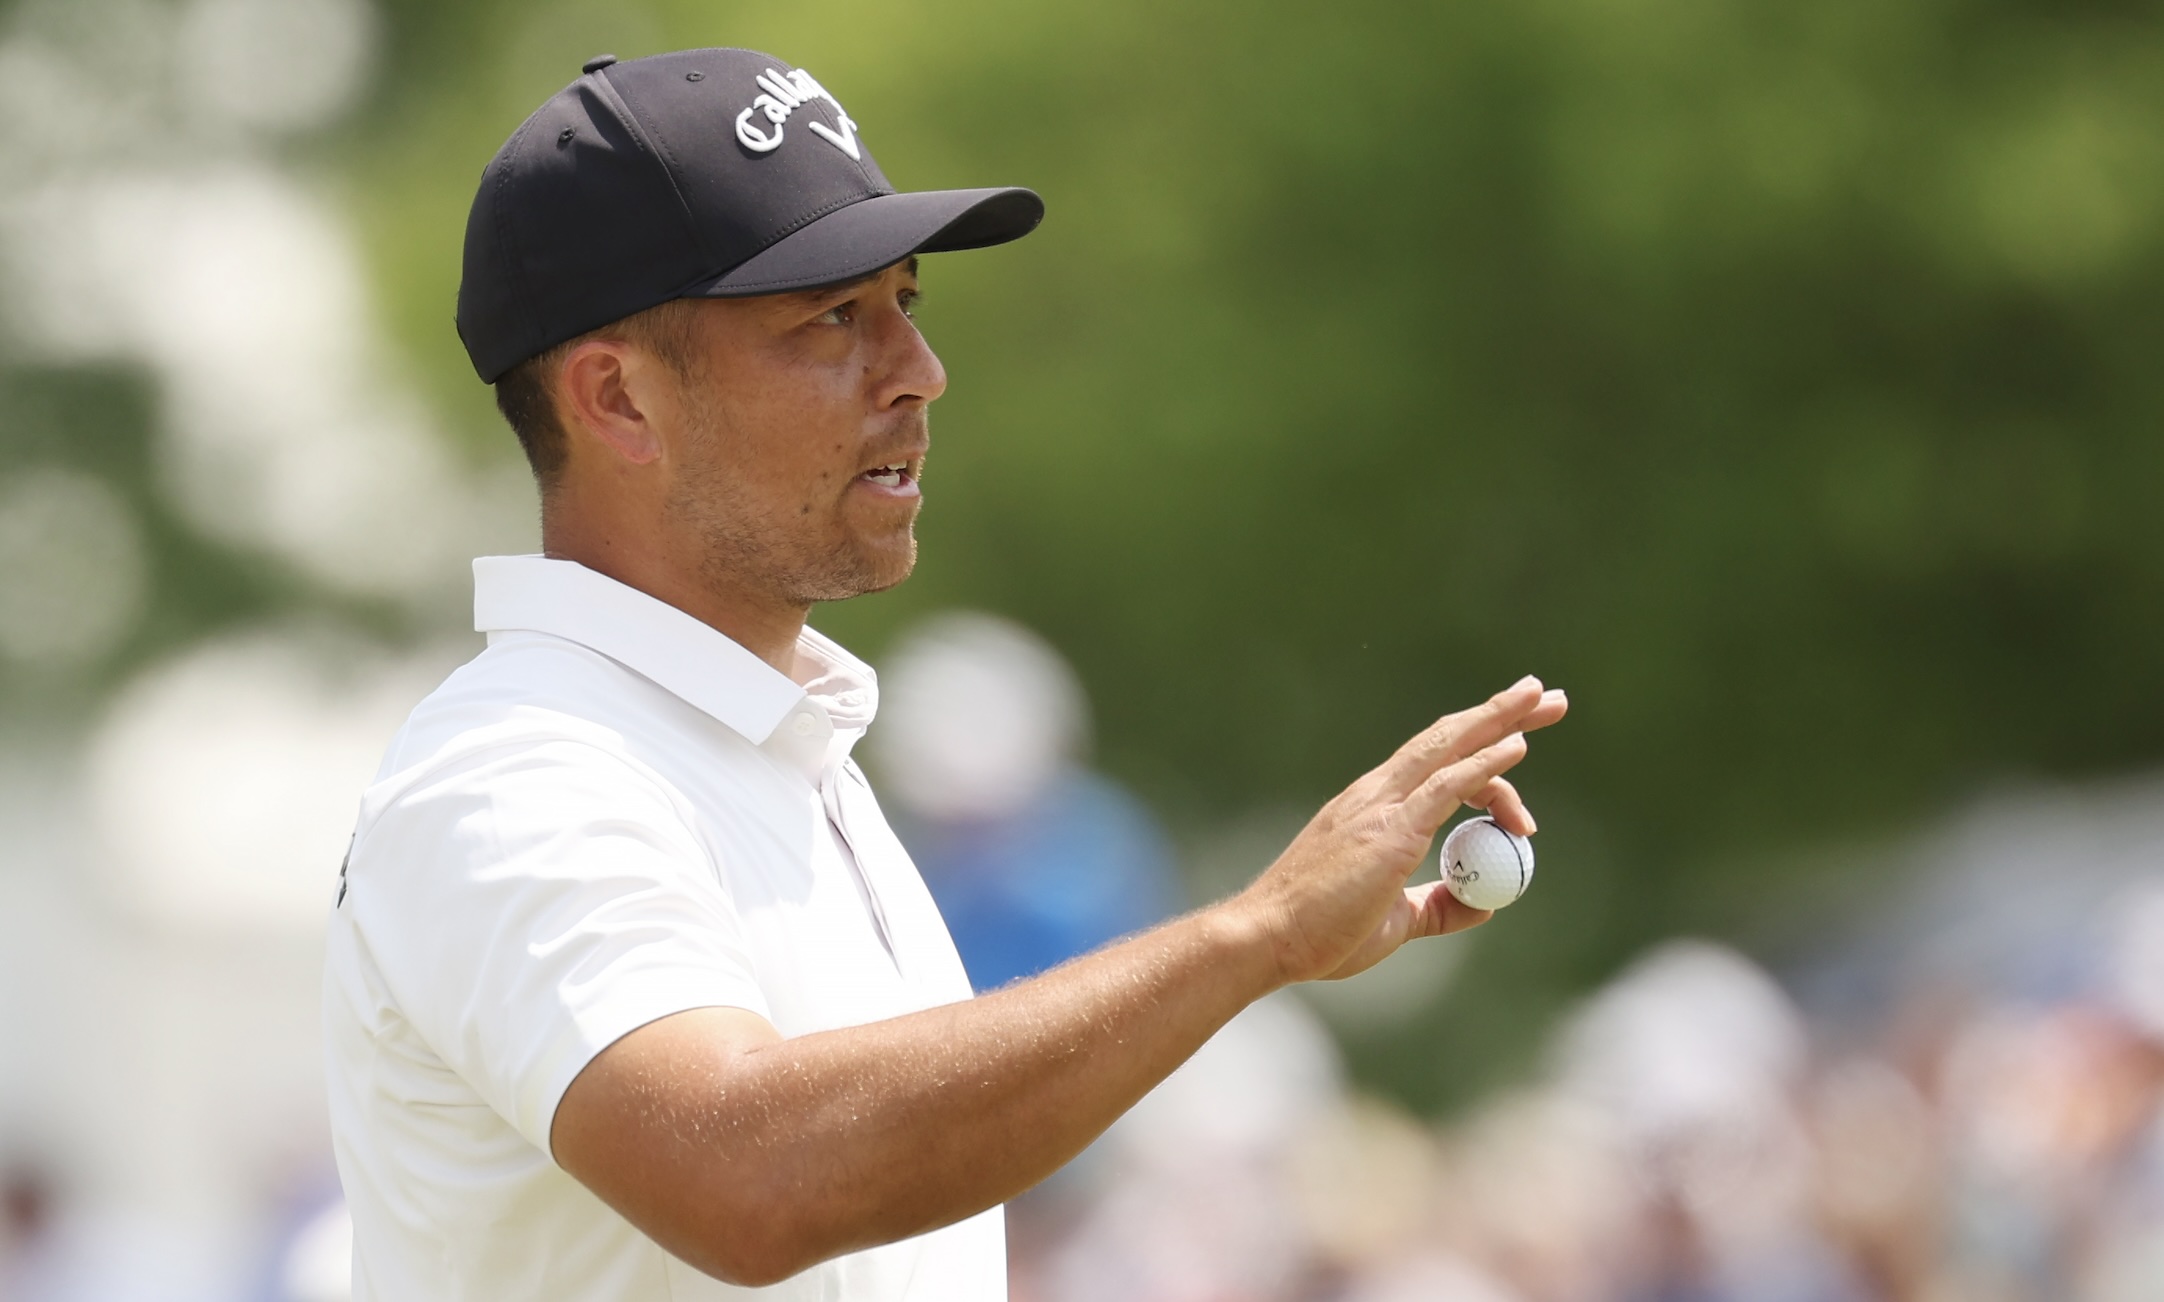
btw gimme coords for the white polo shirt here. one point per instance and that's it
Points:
(612, 814)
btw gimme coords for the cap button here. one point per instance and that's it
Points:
(597, 63)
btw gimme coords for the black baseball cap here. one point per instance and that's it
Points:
(697, 174)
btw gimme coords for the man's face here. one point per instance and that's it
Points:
(802, 437)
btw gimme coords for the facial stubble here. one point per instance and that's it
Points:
(800, 554)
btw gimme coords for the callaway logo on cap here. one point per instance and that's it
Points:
(703, 173)
(783, 93)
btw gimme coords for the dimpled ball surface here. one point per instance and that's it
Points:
(1485, 866)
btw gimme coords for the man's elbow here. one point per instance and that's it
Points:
(753, 1269)
(753, 1247)
(755, 1265)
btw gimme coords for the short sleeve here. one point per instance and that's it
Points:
(527, 907)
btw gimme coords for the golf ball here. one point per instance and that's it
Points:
(1485, 866)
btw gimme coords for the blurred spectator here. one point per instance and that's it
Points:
(26, 1224)
(1032, 858)
(1193, 1195)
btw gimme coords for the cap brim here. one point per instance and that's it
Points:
(878, 232)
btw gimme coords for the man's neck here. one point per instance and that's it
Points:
(767, 628)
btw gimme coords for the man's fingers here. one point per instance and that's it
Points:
(1436, 912)
(1501, 802)
(1521, 707)
(1431, 802)
(1455, 735)
(1554, 704)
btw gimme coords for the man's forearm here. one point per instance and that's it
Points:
(804, 1148)
(753, 1157)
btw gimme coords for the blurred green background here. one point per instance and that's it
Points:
(1782, 381)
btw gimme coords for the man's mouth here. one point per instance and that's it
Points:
(890, 476)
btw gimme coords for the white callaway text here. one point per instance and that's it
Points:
(784, 95)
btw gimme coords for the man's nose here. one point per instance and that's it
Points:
(911, 372)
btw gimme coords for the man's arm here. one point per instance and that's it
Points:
(754, 1157)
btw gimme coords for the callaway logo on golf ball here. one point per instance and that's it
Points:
(1485, 866)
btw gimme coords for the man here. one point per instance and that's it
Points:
(630, 992)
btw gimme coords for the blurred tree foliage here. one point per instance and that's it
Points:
(1783, 380)
(99, 419)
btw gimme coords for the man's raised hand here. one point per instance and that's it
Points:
(1335, 903)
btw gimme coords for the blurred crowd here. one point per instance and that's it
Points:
(1696, 1140)
(1962, 1102)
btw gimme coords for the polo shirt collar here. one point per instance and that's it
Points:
(691, 659)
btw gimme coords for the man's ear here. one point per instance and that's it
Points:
(608, 389)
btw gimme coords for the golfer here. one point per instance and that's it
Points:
(631, 993)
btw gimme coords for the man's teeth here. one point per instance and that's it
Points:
(888, 476)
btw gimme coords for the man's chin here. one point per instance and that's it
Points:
(893, 569)
(868, 570)
(885, 581)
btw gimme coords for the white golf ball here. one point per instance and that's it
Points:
(1485, 866)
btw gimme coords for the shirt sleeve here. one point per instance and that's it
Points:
(530, 906)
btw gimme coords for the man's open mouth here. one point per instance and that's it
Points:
(890, 476)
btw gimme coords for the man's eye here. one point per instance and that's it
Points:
(839, 314)
(911, 299)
